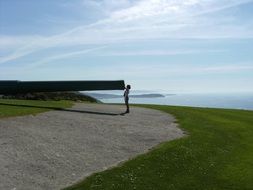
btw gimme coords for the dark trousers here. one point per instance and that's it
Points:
(126, 102)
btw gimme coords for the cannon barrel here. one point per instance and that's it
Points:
(15, 86)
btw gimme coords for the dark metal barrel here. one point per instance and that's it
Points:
(14, 87)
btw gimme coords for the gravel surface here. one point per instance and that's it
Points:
(55, 149)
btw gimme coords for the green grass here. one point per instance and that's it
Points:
(10, 108)
(217, 154)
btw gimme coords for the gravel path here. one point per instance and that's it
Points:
(55, 149)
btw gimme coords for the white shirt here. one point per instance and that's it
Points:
(126, 93)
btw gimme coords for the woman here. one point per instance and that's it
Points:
(126, 97)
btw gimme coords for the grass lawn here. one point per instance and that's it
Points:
(9, 108)
(217, 153)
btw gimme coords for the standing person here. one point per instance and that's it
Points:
(126, 97)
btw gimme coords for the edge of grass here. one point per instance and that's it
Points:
(217, 153)
(12, 107)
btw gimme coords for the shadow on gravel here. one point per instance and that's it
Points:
(62, 109)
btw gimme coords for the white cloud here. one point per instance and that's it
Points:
(144, 19)
(64, 56)
(228, 68)
(171, 70)
(160, 52)
(11, 42)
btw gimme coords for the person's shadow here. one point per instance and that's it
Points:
(62, 109)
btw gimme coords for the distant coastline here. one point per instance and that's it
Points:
(229, 101)
(111, 96)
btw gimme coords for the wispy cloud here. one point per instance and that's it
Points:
(167, 71)
(160, 52)
(228, 68)
(64, 56)
(142, 20)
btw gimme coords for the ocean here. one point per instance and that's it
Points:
(230, 101)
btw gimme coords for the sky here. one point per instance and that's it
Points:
(172, 46)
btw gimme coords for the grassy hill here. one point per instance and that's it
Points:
(32, 103)
(11, 107)
(73, 96)
(217, 154)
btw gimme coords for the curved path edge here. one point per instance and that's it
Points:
(56, 149)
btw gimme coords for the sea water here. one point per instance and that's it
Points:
(233, 101)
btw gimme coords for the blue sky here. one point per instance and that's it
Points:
(176, 46)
